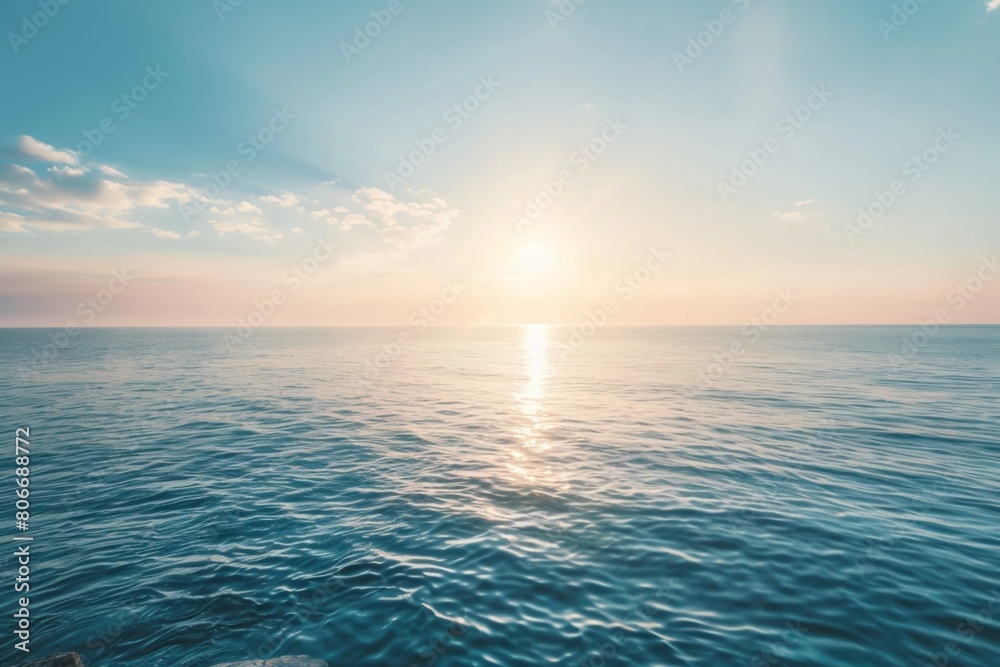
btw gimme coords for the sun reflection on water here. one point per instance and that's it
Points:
(531, 457)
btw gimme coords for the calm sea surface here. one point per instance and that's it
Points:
(485, 499)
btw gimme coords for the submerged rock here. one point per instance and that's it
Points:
(293, 661)
(61, 660)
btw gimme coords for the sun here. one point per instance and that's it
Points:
(535, 259)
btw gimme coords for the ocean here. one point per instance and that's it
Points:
(509, 496)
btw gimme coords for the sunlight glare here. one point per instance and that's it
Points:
(535, 259)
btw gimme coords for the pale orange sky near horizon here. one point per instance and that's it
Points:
(221, 296)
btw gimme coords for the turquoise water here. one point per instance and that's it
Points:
(485, 499)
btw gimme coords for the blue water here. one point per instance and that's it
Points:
(485, 500)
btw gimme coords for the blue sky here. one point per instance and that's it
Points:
(71, 220)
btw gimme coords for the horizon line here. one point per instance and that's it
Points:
(497, 326)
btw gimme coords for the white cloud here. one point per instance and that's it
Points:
(11, 222)
(33, 149)
(287, 200)
(809, 202)
(253, 228)
(76, 198)
(111, 171)
(67, 172)
(406, 224)
(353, 220)
(65, 193)
(992, 4)
(790, 215)
(164, 234)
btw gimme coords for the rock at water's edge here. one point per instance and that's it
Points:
(61, 660)
(294, 661)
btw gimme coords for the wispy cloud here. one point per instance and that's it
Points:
(254, 228)
(54, 190)
(992, 4)
(68, 195)
(406, 225)
(32, 149)
(790, 215)
(164, 234)
(287, 200)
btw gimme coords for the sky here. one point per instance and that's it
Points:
(192, 163)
